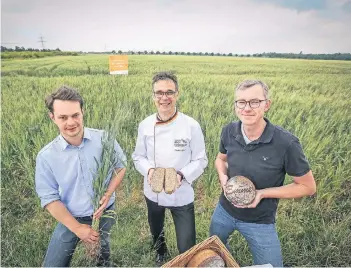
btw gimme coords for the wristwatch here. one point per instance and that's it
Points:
(181, 175)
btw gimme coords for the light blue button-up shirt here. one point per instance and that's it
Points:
(65, 172)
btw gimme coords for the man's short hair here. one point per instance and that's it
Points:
(250, 83)
(165, 76)
(64, 93)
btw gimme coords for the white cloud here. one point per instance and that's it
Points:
(240, 26)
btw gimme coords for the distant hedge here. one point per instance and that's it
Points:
(34, 54)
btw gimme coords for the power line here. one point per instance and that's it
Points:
(41, 40)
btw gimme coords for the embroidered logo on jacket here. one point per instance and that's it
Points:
(180, 144)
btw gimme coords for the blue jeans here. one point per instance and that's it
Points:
(63, 242)
(263, 239)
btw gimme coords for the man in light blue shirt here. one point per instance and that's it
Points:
(64, 180)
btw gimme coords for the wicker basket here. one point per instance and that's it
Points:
(213, 243)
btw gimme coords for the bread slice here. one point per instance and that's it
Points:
(157, 180)
(171, 180)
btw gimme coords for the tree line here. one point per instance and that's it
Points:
(37, 53)
(21, 52)
(301, 55)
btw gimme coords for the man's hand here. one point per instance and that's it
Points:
(86, 233)
(259, 196)
(103, 202)
(149, 175)
(223, 180)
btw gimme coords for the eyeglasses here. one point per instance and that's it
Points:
(241, 104)
(160, 94)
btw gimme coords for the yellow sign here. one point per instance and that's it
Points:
(118, 64)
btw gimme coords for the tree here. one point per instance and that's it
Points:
(120, 52)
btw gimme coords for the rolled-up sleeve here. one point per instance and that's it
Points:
(120, 156)
(141, 163)
(198, 161)
(45, 184)
(295, 161)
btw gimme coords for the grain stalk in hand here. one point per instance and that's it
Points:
(101, 178)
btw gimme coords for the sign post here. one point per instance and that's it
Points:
(118, 64)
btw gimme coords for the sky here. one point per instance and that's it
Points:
(219, 26)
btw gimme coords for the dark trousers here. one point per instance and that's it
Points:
(184, 222)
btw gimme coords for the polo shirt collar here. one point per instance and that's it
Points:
(64, 144)
(266, 136)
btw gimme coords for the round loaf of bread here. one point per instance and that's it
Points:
(206, 258)
(240, 191)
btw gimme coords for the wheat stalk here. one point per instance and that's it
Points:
(104, 172)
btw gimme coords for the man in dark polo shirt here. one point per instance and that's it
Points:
(255, 148)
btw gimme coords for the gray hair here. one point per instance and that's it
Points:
(63, 93)
(165, 76)
(250, 83)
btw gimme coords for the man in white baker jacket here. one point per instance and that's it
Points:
(170, 139)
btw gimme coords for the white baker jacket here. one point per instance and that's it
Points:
(177, 144)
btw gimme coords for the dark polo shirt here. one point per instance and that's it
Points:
(265, 162)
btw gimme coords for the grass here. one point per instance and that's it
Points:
(310, 99)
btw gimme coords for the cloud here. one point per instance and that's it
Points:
(299, 5)
(347, 6)
(19, 6)
(241, 26)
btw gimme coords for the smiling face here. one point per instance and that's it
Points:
(165, 103)
(68, 117)
(251, 116)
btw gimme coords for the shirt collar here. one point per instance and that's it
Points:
(87, 134)
(159, 121)
(266, 136)
(64, 144)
